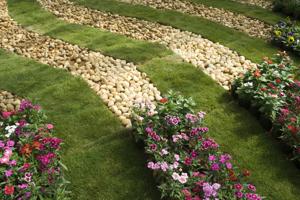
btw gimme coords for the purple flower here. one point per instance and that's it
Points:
(2, 144)
(23, 186)
(10, 143)
(215, 167)
(8, 173)
(172, 120)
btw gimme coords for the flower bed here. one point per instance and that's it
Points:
(287, 34)
(29, 160)
(187, 163)
(272, 90)
(288, 7)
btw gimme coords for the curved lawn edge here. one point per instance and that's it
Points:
(229, 124)
(103, 161)
(252, 48)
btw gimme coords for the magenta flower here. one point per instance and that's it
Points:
(10, 143)
(251, 187)
(239, 194)
(215, 167)
(8, 173)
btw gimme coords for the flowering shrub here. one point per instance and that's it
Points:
(29, 156)
(271, 88)
(187, 163)
(287, 34)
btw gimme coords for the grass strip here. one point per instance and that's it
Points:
(103, 161)
(239, 133)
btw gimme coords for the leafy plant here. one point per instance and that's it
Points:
(271, 89)
(187, 163)
(29, 156)
(287, 34)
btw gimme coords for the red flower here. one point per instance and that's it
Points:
(246, 173)
(9, 190)
(26, 150)
(36, 145)
(163, 100)
(293, 129)
(257, 73)
(270, 62)
(263, 89)
(293, 119)
(278, 80)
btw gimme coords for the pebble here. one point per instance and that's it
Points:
(267, 4)
(191, 47)
(219, 15)
(8, 101)
(102, 73)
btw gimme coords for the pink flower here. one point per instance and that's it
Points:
(252, 187)
(182, 179)
(238, 186)
(211, 157)
(50, 126)
(239, 194)
(175, 176)
(6, 115)
(164, 166)
(150, 165)
(4, 160)
(176, 156)
(228, 165)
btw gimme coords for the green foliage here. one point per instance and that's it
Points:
(288, 7)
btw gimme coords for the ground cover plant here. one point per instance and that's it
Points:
(272, 90)
(30, 156)
(287, 34)
(187, 163)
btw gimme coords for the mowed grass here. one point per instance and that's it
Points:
(103, 162)
(252, 48)
(253, 11)
(233, 127)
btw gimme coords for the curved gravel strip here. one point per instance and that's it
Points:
(221, 63)
(266, 4)
(8, 101)
(250, 26)
(117, 82)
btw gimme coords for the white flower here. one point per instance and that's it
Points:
(248, 84)
(10, 130)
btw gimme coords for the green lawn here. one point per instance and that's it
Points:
(252, 11)
(103, 162)
(235, 128)
(252, 48)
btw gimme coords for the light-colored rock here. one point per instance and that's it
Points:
(102, 73)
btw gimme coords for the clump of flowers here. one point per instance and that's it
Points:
(271, 89)
(187, 163)
(29, 156)
(287, 34)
